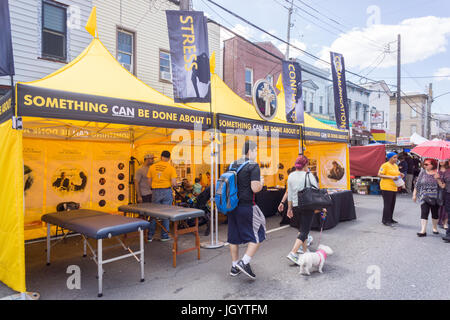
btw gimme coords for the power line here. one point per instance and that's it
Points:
(309, 54)
(334, 27)
(333, 20)
(283, 41)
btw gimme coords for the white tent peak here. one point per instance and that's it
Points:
(417, 139)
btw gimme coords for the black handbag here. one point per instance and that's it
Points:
(430, 201)
(312, 198)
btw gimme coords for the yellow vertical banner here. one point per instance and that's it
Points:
(68, 168)
(34, 186)
(332, 165)
(110, 175)
(12, 247)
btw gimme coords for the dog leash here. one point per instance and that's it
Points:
(323, 217)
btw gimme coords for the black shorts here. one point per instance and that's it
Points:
(246, 224)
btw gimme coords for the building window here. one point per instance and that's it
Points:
(321, 105)
(305, 106)
(413, 129)
(357, 115)
(350, 108)
(311, 102)
(366, 113)
(248, 82)
(165, 73)
(54, 30)
(125, 49)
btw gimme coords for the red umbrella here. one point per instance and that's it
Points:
(438, 149)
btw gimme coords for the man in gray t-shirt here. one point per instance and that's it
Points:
(143, 189)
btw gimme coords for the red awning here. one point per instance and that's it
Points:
(367, 160)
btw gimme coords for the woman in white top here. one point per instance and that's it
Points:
(296, 183)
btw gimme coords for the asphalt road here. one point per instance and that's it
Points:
(371, 261)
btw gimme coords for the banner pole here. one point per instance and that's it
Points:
(214, 226)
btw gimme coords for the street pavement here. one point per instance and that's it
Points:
(370, 261)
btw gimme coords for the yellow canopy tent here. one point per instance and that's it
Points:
(323, 143)
(73, 115)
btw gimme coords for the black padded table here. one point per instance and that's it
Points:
(98, 225)
(343, 209)
(173, 213)
(268, 200)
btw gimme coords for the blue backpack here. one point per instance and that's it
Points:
(226, 197)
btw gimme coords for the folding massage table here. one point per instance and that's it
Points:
(173, 213)
(98, 225)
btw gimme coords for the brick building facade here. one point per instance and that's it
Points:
(244, 64)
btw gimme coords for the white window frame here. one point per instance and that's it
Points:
(133, 46)
(163, 74)
(245, 82)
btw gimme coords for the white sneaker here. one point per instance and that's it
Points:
(300, 250)
(292, 257)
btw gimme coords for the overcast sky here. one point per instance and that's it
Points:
(365, 32)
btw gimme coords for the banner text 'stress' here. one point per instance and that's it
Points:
(189, 54)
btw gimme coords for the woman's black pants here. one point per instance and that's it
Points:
(389, 198)
(305, 219)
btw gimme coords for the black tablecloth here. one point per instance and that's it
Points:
(343, 209)
(268, 201)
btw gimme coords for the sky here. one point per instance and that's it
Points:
(365, 32)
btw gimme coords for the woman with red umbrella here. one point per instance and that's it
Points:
(426, 190)
(431, 150)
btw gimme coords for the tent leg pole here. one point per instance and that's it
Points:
(213, 221)
(212, 189)
(48, 244)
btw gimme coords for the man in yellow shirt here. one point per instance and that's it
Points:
(389, 172)
(162, 176)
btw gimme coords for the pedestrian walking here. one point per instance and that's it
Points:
(409, 173)
(444, 179)
(297, 181)
(403, 167)
(426, 191)
(246, 223)
(143, 189)
(162, 177)
(389, 173)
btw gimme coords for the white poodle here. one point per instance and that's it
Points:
(314, 261)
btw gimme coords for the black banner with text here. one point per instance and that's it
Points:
(257, 127)
(6, 110)
(189, 52)
(340, 90)
(47, 103)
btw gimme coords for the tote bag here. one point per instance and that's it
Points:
(312, 198)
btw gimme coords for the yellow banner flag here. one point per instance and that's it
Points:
(91, 25)
(212, 62)
(279, 84)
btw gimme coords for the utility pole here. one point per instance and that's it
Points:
(428, 112)
(397, 132)
(185, 5)
(291, 9)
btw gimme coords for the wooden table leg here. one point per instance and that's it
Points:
(197, 238)
(175, 243)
